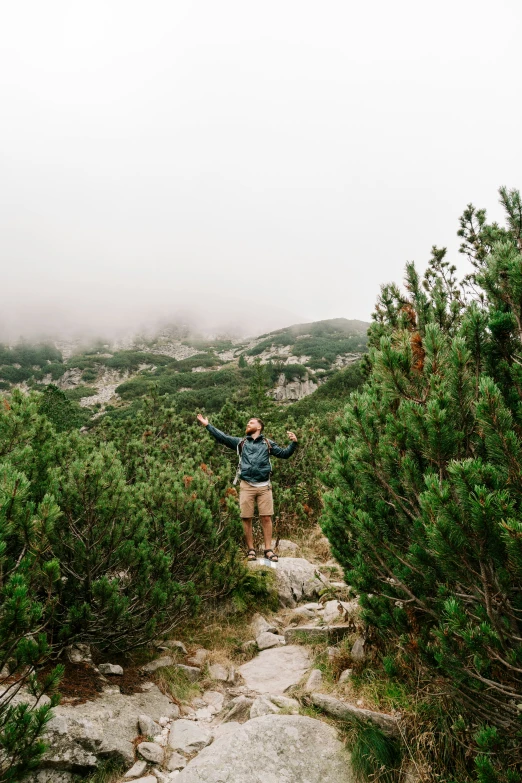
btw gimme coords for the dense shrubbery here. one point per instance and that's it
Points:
(426, 499)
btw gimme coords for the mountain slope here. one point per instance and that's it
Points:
(192, 371)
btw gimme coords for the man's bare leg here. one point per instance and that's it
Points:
(266, 524)
(249, 536)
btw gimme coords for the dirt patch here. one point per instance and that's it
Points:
(80, 683)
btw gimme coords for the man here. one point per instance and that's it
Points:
(254, 470)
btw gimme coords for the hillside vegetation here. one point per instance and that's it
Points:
(119, 521)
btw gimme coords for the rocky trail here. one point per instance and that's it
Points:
(246, 722)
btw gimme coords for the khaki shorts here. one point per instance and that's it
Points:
(247, 499)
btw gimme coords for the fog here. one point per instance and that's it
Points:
(241, 165)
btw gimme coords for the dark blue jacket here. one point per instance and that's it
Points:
(255, 459)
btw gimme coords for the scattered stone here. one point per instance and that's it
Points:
(176, 761)
(357, 651)
(79, 653)
(345, 711)
(221, 673)
(136, 770)
(259, 625)
(333, 610)
(147, 686)
(191, 672)
(290, 748)
(266, 640)
(313, 607)
(263, 706)
(345, 676)
(214, 699)
(250, 646)
(163, 722)
(204, 713)
(147, 779)
(147, 726)
(239, 709)
(151, 751)
(275, 670)
(110, 668)
(314, 681)
(188, 737)
(199, 657)
(159, 663)
(317, 633)
(285, 703)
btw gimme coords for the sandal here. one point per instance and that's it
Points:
(273, 557)
(251, 555)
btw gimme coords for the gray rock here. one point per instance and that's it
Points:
(110, 668)
(296, 581)
(239, 709)
(250, 646)
(259, 625)
(50, 776)
(199, 657)
(275, 670)
(162, 777)
(147, 779)
(136, 770)
(221, 673)
(314, 681)
(289, 705)
(159, 663)
(101, 729)
(345, 676)
(266, 640)
(357, 651)
(147, 726)
(79, 653)
(176, 761)
(317, 633)
(214, 699)
(263, 706)
(225, 728)
(273, 749)
(191, 672)
(187, 736)
(151, 751)
(345, 711)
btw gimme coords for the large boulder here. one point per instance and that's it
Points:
(272, 749)
(275, 670)
(296, 580)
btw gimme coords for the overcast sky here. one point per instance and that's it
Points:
(260, 163)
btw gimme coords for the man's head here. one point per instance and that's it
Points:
(254, 426)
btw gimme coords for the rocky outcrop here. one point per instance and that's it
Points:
(293, 390)
(290, 748)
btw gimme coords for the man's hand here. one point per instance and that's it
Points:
(292, 436)
(202, 420)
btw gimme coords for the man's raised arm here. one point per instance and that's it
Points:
(221, 437)
(279, 451)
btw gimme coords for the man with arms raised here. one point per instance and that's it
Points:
(255, 470)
